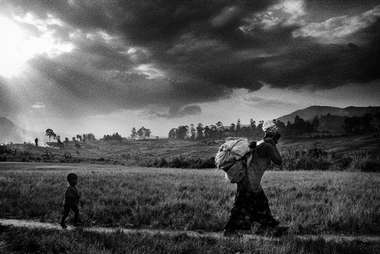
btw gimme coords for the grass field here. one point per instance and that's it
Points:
(308, 201)
(342, 153)
(20, 241)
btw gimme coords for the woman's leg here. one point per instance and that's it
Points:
(239, 213)
(262, 213)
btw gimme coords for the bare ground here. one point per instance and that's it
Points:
(216, 235)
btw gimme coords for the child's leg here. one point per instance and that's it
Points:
(76, 214)
(66, 210)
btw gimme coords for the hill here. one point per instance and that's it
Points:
(9, 132)
(310, 112)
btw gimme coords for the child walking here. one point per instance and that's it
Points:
(71, 202)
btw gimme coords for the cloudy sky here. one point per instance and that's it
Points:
(106, 65)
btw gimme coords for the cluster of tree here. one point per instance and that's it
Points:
(362, 125)
(366, 124)
(298, 127)
(331, 124)
(114, 137)
(50, 134)
(83, 137)
(140, 133)
(217, 130)
(79, 137)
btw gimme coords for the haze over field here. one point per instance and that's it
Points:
(106, 66)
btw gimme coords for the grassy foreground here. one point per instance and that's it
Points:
(50, 241)
(309, 201)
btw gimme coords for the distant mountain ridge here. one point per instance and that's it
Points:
(9, 132)
(310, 113)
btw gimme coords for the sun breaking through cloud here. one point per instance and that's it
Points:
(89, 58)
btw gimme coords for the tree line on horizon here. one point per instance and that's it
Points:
(140, 133)
(326, 124)
(366, 124)
(217, 130)
(332, 124)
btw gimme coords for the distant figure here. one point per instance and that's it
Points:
(250, 201)
(36, 142)
(71, 202)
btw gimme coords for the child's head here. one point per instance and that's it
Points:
(72, 179)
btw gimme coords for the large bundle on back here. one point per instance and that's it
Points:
(229, 158)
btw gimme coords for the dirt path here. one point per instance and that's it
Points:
(215, 235)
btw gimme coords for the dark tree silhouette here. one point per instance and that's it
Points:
(50, 133)
(147, 132)
(193, 132)
(200, 131)
(172, 133)
(113, 137)
(133, 133)
(232, 127)
(182, 132)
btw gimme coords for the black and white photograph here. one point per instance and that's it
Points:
(190, 126)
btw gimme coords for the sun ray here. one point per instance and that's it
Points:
(18, 45)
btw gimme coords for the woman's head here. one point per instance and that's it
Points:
(272, 132)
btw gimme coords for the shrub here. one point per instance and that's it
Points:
(208, 163)
(5, 150)
(370, 166)
(3, 157)
(181, 162)
(178, 162)
(343, 163)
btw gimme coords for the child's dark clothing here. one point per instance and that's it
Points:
(71, 202)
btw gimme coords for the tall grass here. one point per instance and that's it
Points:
(310, 202)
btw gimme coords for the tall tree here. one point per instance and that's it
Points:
(219, 125)
(90, 137)
(141, 132)
(133, 133)
(232, 127)
(147, 132)
(50, 133)
(182, 132)
(193, 132)
(199, 131)
(213, 131)
(207, 132)
(172, 133)
(315, 123)
(252, 123)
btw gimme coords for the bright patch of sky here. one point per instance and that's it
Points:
(18, 45)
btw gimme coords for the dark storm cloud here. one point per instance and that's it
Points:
(106, 91)
(205, 49)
